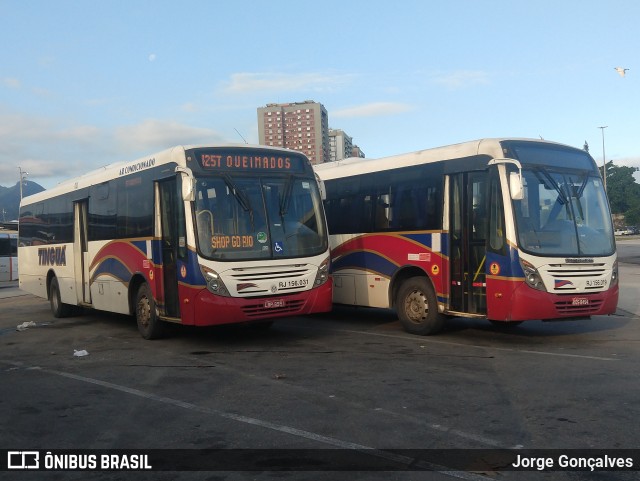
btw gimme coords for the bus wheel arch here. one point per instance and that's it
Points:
(399, 278)
(134, 284)
(415, 301)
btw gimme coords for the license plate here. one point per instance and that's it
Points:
(272, 304)
(596, 282)
(580, 301)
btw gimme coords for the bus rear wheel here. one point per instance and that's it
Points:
(58, 308)
(149, 325)
(417, 307)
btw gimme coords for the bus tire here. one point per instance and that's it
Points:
(417, 307)
(149, 325)
(58, 308)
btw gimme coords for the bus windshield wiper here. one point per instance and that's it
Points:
(562, 198)
(584, 184)
(240, 196)
(286, 196)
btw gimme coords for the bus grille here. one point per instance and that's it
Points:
(567, 307)
(259, 309)
(254, 281)
(564, 275)
(260, 274)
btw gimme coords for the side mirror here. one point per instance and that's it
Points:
(188, 184)
(515, 186)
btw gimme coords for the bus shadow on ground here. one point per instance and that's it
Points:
(372, 318)
(283, 331)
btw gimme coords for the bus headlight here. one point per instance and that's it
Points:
(614, 274)
(214, 282)
(323, 273)
(531, 276)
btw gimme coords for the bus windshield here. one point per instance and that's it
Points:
(563, 213)
(241, 217)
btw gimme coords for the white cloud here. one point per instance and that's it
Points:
(43, 147)
(47, 148)
(282, 82)
(375, 109)
(155, 135)
(462, 78)
(11, 82)
(152, 57)
(626, 161)
(36, 169)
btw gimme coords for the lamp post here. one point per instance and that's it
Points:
(604, 160)
(23, 178)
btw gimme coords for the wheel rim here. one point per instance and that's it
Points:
(144, 312)
(416, 306)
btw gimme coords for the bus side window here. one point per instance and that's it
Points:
(5, 246)
(405, 210)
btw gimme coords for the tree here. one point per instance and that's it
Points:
(623, 191)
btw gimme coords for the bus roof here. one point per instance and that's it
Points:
(355, 165)
(174, 154)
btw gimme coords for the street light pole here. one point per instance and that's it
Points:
(23, 177)
(604, 160)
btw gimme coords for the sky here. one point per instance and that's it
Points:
(84, 84)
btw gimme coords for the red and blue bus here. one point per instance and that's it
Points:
(503, 229)
(8, 256)
(196, 235)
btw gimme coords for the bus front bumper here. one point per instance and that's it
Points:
(526, 303)
(210, 310)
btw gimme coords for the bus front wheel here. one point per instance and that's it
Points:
(149, 325)
(417, 307)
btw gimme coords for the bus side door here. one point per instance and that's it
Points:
(81, 251)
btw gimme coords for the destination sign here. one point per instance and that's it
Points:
(250, 160)
(231, 241)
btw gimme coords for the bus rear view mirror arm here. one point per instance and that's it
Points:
(516, 186)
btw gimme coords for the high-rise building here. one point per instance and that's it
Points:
(302, 126)
(357, 152)
(340, 145)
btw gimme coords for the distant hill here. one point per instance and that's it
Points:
(10, 199)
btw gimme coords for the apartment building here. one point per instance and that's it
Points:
(302, 126)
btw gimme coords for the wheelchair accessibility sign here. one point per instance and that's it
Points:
(277, 247)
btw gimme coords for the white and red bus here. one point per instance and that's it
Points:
(503, 229)
(8, 256)
(197, 235)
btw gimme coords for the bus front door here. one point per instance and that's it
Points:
(468, 220)
(170, 230)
